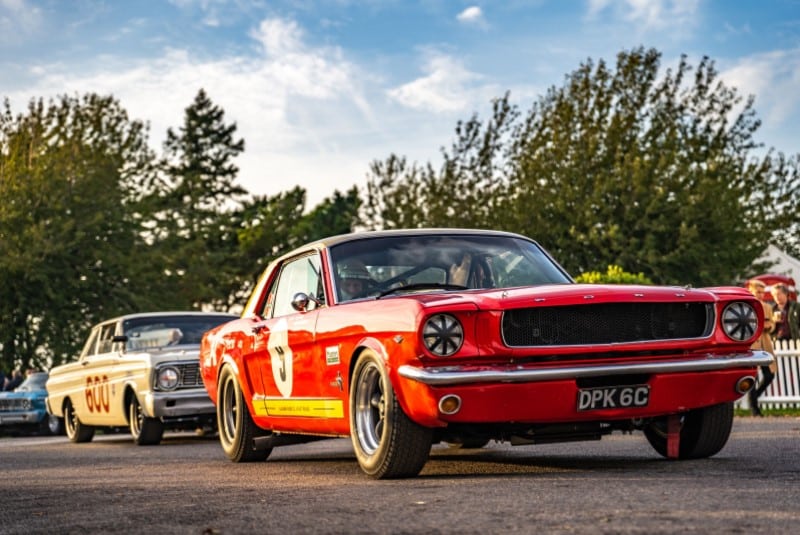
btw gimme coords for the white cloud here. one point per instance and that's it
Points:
(17, 17)
(471, 15)
(279, 37)
(445, 87)
(774, 77)
(297, 107)
(647, 15)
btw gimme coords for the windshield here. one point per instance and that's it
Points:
(370, 266)
(160, 331)
(34, 381)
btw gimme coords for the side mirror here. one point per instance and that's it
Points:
(301, 300)
(120, 338)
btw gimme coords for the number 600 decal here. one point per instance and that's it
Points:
(97, 394)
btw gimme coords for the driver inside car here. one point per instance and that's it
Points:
(354, 280)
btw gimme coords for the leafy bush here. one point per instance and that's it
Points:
(614, 275)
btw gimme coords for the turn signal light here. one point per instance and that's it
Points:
(745, 384)
(449, 404)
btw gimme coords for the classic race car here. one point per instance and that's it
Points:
(139, 371)
(24, 408)
(403, 339)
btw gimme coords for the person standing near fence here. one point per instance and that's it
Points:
(758, 288)
(786, 314)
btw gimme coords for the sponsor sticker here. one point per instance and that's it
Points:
(332, 355)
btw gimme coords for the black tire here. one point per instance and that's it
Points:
(236, 428)
(146, 431)
(704, 432)
(386, 442)
(52, 425)
(76, 431)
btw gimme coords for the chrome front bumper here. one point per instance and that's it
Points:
(457, 375)
(25, 417)
(178, 403)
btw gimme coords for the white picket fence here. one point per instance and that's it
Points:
(784, 391)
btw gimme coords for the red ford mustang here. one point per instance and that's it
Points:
(403, 339)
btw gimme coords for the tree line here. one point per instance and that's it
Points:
(654, 170)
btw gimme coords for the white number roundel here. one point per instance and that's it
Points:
(281, 357)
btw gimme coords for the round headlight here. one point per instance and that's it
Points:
(740, 321)
(168, 378)
(443, 335)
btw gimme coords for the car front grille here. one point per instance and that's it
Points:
(11, 405)
(606, 323)
(190, 375)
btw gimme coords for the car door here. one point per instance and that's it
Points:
(99, 403)
(292, 365)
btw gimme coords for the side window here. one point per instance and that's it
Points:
(105, 339)
(299, 275)
(91, 344)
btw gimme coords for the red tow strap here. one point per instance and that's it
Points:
(673, 436)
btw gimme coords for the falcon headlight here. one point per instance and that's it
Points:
(443, 335)
(168, 378)
(739, 321)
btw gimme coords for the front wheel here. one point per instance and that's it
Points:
(386, 442)
(53, 425)
(146, 431)
(704, 432)
(76, 431)
(237, 430)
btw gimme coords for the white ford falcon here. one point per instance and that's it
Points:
(140, 371)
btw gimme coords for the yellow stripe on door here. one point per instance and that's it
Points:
(312, 408)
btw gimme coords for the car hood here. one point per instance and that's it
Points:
(573, 294)
(22, 394)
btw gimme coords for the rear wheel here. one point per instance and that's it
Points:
(76, 431)
(386, 442)
(703, 433)
(237, 430)
(146, 431)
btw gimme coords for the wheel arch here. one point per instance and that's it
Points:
(229, 361)
(401, 394)
(367, 343)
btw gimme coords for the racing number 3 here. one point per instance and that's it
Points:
(97, 393)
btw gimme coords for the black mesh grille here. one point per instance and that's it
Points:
(606, 323)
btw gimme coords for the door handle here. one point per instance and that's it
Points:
(258, 328)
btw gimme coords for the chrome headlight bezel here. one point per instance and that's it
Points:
(168, 378)
(442, 335)
(739, 321)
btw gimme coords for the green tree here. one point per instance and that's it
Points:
(193, 234)
(467, 190)
(628, 166)
(270, 226)
(72, 173)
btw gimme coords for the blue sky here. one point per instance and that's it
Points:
(319, 89)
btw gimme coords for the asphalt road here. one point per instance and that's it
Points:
(617, 485)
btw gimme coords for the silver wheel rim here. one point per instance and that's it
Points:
(70, 421)
(52, 423)
(370, 408)
(229, 410)
(136, 419)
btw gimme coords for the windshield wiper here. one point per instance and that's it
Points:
(421, 286)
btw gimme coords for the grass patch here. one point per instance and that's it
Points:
(766, 411)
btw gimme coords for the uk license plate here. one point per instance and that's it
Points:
(613, 397)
